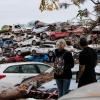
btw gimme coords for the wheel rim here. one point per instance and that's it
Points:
(52, 37)
(50, 53)
(44, 35)
(34, 43)
(33, 51)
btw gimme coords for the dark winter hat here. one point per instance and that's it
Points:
(83, 42)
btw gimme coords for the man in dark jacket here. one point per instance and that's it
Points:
(63, 75)
(87, 61)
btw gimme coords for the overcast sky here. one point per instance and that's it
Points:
(23, 11)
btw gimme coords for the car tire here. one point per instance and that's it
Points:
(33, 51)
(50, 53)
(33, 42)
(52, 37)
(44, 35)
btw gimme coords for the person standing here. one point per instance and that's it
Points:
(63, 62)
(87, 64)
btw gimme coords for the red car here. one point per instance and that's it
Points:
(56, 35)
(16, 58)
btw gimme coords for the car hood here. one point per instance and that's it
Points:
(88, 92)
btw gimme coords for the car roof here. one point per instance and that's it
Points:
(18, 63)
(6, 65)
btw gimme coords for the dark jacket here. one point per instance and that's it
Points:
(88, 57)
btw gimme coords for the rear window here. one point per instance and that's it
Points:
(42, 67)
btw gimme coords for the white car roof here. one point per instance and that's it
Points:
(49, 44)
(18, 63)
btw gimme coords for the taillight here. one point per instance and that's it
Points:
(2, 76)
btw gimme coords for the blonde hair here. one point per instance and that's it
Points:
(59, 42)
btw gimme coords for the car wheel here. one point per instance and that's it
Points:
(50, 53)
(33, 51)
(33, 42)
(44, 35)
(52, 37)
(19, 52)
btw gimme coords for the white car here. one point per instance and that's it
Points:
(18, 29)
(23, 49)
(30, 40)
(95, 46)
(40, 29)
(97, 68)
(15, 73)
(44, 48)
(3, 58)
(7, 35)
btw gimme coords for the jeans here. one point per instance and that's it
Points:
(63, 86)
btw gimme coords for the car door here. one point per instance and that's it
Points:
(28, 70)
(47, 48)
(61, 34)
(23, 48)
(43, 49)
(56, 34)
(28, 48)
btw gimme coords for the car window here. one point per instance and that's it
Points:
(42, 46)
(42, 67)
(46, 46)
(29, 68)
(22, 34)
(24, 46)
(8, 42)
(6, 34)
(29, 37)
(28, 45)
(1, 40)
(49, 46)
(12, 69)
(17, 26)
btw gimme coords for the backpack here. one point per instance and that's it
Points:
(59, 65)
